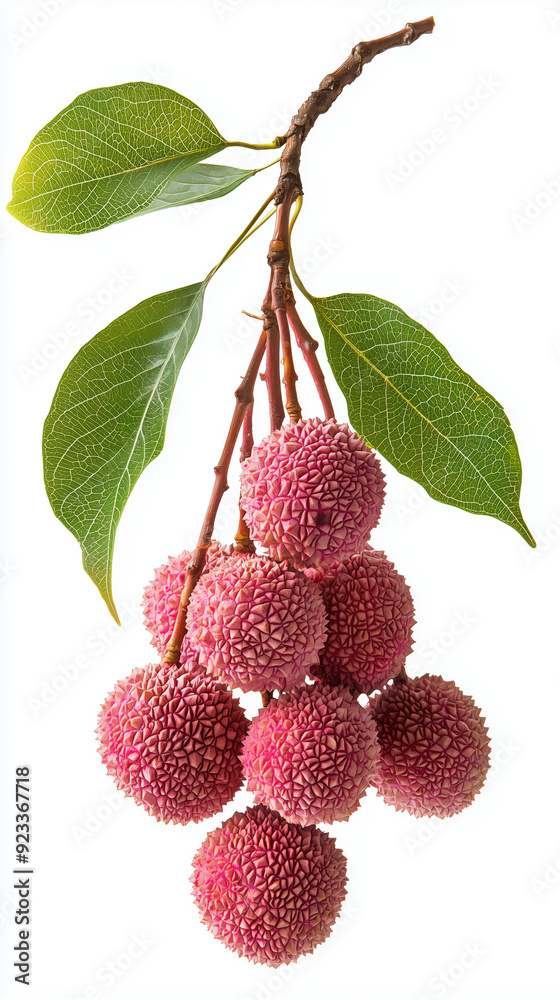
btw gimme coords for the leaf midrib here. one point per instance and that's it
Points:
(106, 564)
(109, 177)
(420, 414)
(163, 369)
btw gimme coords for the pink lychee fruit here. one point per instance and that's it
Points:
(370, 617)
(311, 754)
(171, 737)
(434, 746)
(162, 595)
(257, 624)
(268, 889)
(312, 492)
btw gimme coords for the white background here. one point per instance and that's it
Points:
(466, 909)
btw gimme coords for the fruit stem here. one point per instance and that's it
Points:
(247, 440)
(243, 541)
(243, 400)
(279, 290)
(272, 372)
(290, 376)
(308, 346)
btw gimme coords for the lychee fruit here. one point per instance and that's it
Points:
(268, 889)
(257, 624)
(434, 746)
(162, 595)
(171, 738)
(370, 617)
(311, 754)
(312, 492)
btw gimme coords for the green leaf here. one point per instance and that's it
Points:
(203, 182)
(108, 418)
(108, 156)
(409, 399)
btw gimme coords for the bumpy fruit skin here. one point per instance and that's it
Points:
(269, 890)
(257, 624)
(171, 738)
(312, 492)
(311, 754)
(434, 746)
(163, 593)
(370, 619)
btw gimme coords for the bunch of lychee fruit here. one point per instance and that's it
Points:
(317, 623)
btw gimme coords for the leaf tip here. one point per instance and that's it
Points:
(108, 598)
(521, 527)
(529, 538)
(103, 584)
